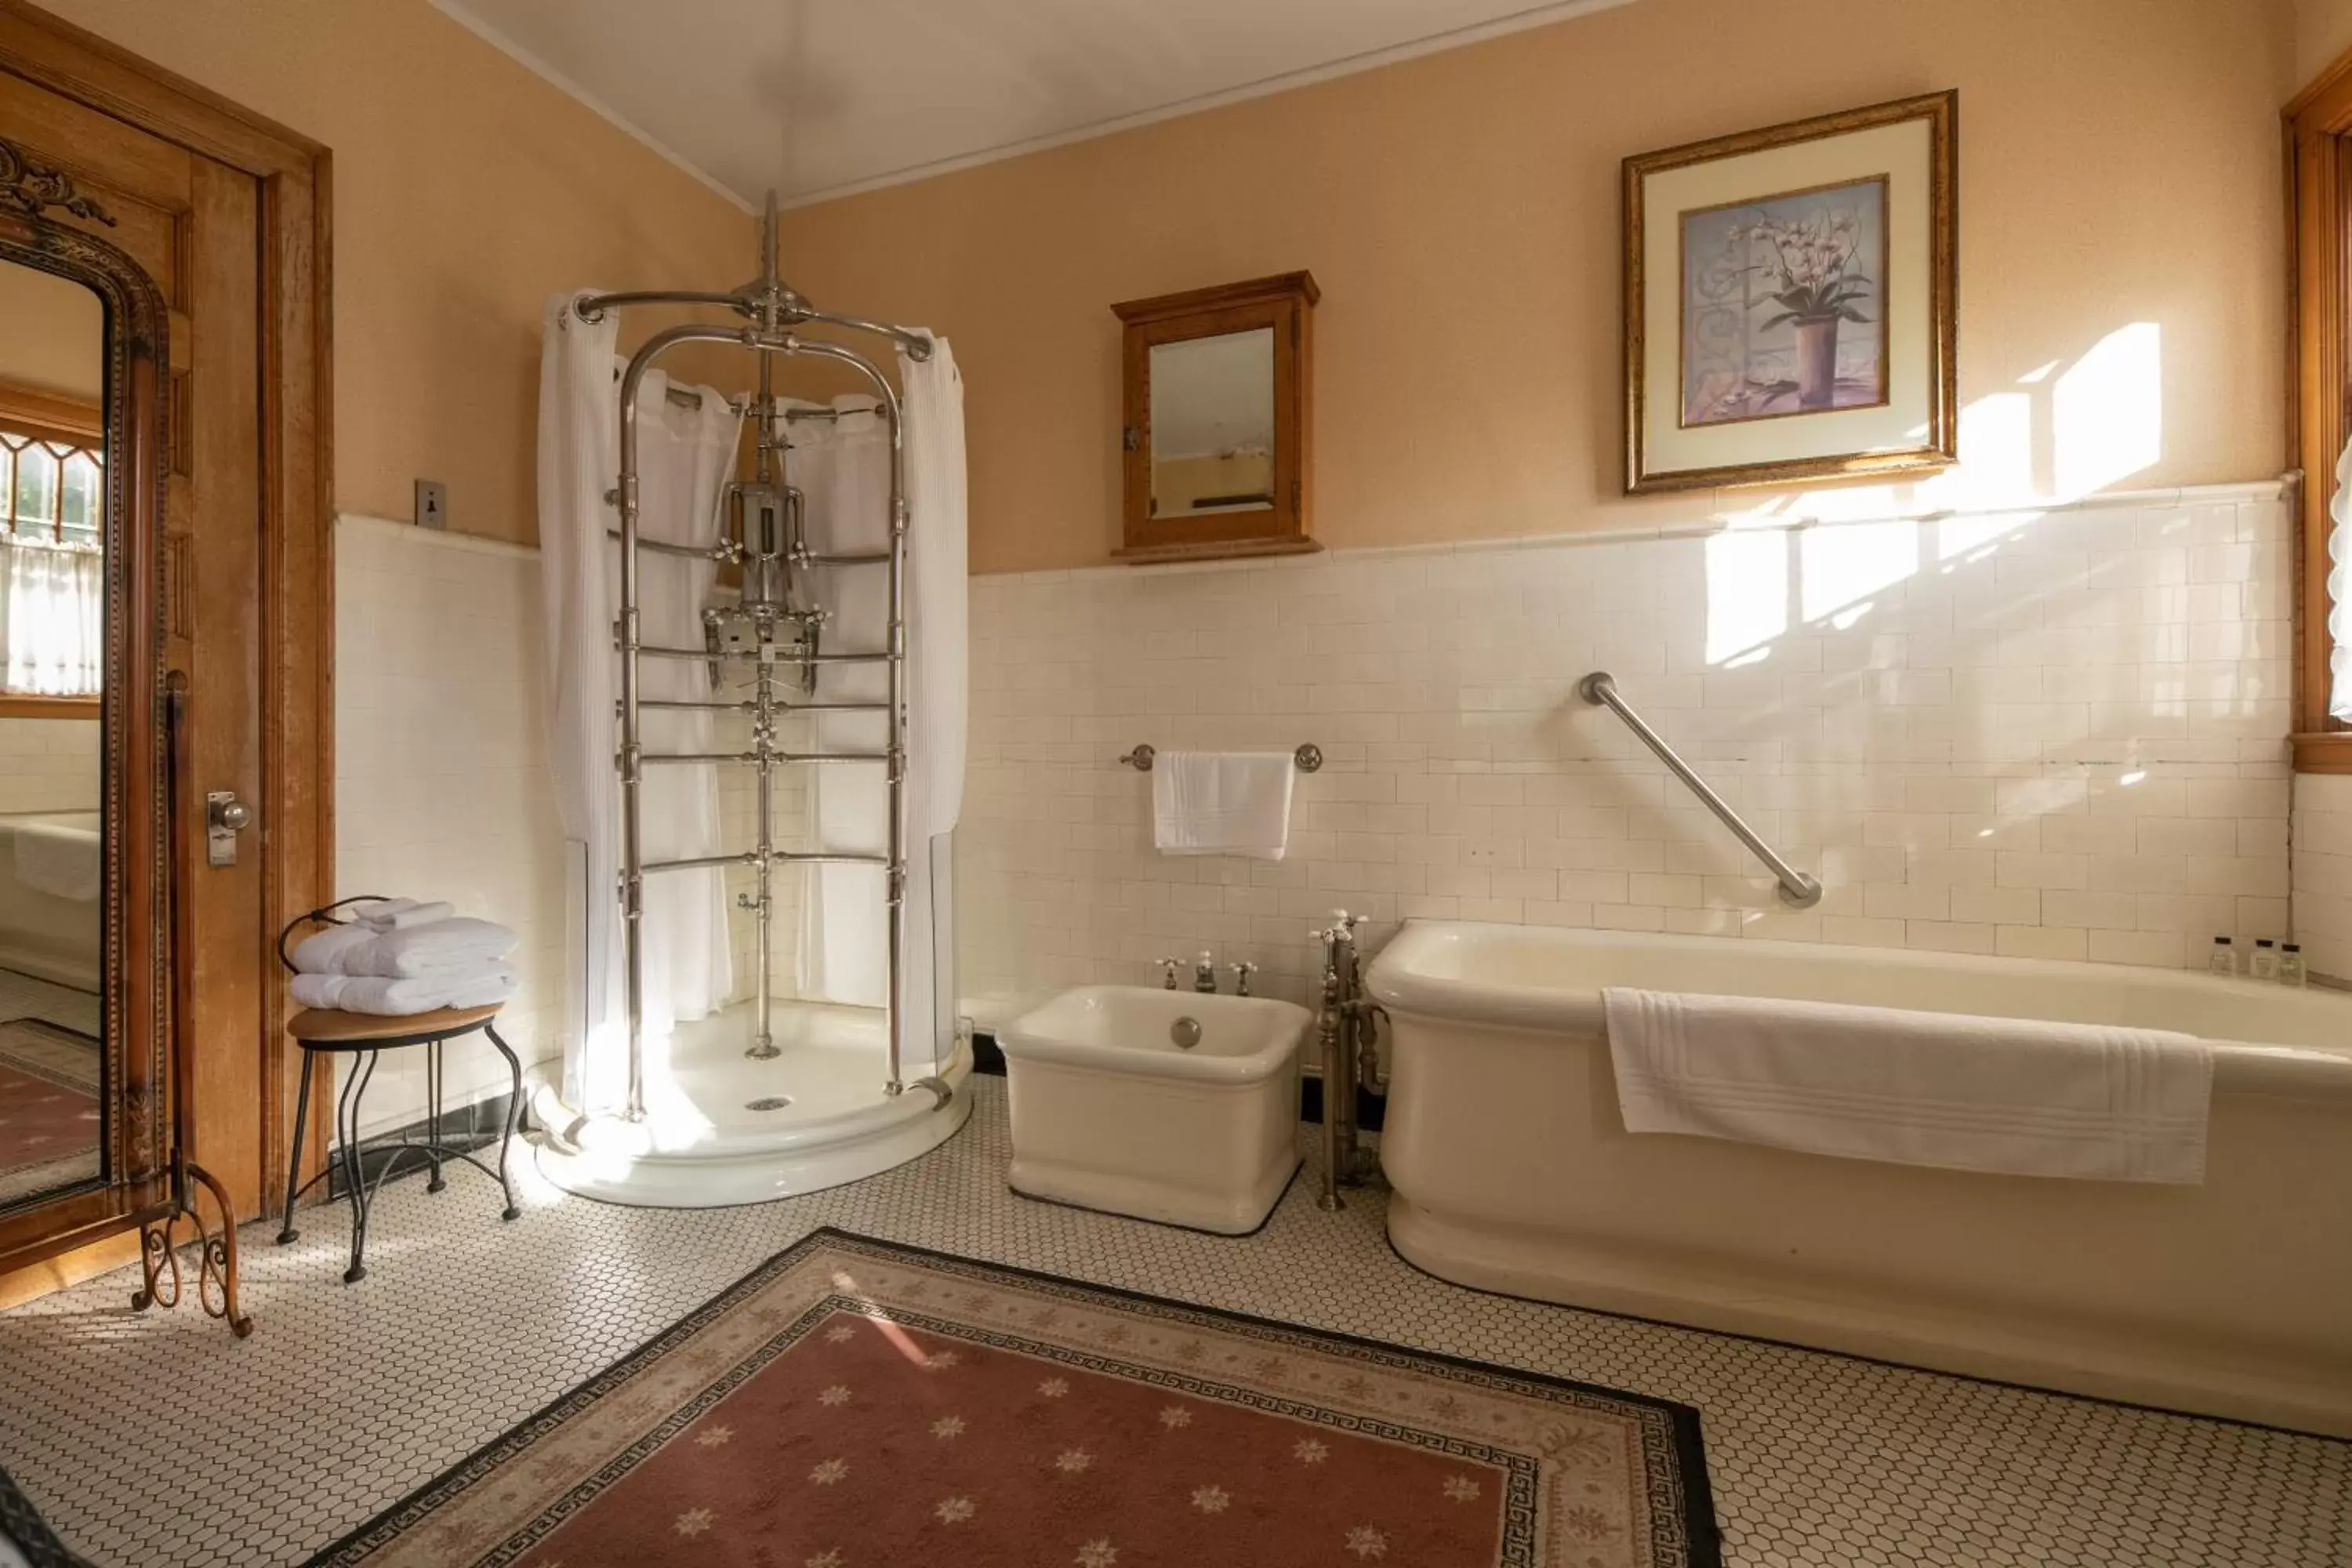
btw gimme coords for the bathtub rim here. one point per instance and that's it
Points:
(2248, 1067)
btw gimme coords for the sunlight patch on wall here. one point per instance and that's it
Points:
(1747, 591)
(1845, 565)
(2107, 411)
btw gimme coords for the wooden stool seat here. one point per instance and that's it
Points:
(332, 1027)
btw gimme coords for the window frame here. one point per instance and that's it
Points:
(2318, 126)
(46, 417)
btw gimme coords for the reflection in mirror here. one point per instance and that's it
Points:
(52, 658)
(1212, 425)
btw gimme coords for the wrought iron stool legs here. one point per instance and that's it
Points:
(354, 1173)
(432, 1114)
(286, 1231)
(349, 1158)
(514, 1112)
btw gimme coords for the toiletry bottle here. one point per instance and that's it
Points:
(2225, 957)
(2290, 970)
(2263, 965)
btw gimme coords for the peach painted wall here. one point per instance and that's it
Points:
(466, 190)
(2322, 30)
(56, 334)
(2119, 167)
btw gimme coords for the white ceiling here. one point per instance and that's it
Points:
(822, 98)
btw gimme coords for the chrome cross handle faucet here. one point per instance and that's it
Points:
(1204, 974)
(1168, 966)
(1241, 972)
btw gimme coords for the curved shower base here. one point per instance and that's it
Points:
(722, 1129)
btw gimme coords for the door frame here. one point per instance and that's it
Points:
(297, 470)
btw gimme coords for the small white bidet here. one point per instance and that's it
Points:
(1173, 1106)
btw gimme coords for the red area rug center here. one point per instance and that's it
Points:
(857, 1405)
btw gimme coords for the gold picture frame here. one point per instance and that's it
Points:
(1791, 301)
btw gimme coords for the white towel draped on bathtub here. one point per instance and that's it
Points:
(2020, 1096)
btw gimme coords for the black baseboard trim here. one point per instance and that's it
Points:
(470, 1128)
(1372, 1109)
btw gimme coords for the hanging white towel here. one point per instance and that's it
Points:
(388, 997)
(1222, 803)
(445, 947)
(2020, 1096)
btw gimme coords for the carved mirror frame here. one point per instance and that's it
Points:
(134, 978)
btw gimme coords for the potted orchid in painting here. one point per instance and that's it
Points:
(1806, 262)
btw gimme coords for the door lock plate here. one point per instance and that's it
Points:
(225, 817)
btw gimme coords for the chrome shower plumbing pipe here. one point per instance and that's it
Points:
(1346, 1038)
(1797, 888)
(765, 341)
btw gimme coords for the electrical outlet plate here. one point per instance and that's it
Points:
(432, 504)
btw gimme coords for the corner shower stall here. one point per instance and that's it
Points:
(756, 712)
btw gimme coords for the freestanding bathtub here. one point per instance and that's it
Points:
(44, 931)
(1513, 1173)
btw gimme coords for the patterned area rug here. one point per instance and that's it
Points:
(21, 1526)
(48, 1107)
(853, 1404)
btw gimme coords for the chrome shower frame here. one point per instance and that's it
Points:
(772, 553)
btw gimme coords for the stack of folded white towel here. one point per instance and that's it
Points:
(398, 956)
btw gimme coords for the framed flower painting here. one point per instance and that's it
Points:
(1790, 308)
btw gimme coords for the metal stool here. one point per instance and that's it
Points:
(367, 1035)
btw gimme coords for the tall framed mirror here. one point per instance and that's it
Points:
(86, 1134)
(53, 461)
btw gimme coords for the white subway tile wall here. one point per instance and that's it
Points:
(2056, 734)
(2323, 872)
(442, 789)
(48, 765)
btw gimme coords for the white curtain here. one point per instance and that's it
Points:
(52, 619)
(2339, 615)
(684, 456)
(842, 466)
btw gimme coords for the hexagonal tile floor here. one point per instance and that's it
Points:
(157, 1439)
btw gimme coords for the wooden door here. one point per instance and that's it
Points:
(225, 213)
(191, 223)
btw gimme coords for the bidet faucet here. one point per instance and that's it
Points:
(1204, 974)
(1241, 972)
(1168, 966)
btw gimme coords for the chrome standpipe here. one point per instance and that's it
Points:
(1346, 1041)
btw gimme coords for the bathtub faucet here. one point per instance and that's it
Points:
(1204, 974)
(1168, 966)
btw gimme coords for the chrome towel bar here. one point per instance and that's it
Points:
(1308, 758)
(1797, 888)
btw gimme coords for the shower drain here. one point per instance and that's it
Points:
(769, 1102)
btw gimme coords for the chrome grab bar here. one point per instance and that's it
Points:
(1599, 689)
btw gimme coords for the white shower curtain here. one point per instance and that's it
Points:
(844, 467)
(684, 456)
